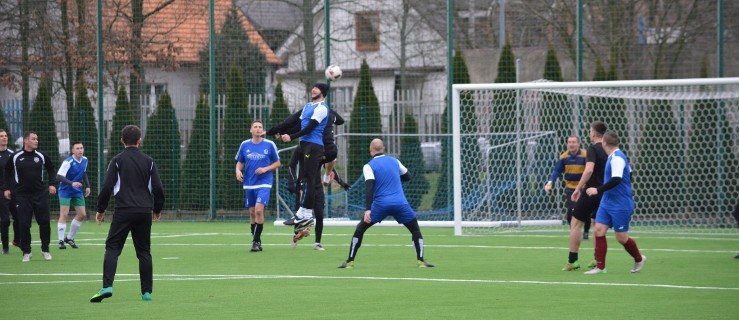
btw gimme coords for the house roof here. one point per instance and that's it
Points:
(180, 28)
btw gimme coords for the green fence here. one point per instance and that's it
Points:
(193, 74)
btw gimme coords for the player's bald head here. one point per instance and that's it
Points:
(376, 146)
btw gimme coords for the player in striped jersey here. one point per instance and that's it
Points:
(572, 164)
(72, 176)
(616, 206)
(255, 161)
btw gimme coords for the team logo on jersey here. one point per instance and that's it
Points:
(266, 151)
(36, 160)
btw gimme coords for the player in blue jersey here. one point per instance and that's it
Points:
(616, 206)
(313, 121)
(255, 162)
(384, 197)
(571, 163)
(72, 177)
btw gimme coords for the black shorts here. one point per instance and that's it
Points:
(586, 207)
(330, 152)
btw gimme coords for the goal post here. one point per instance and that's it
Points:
(681, 137)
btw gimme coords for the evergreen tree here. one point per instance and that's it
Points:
(278, 113)
(365, 119)
(556, 112)
(468, 124)
(42, 122)
(412, 157)
(4, 126)
(505, 100)
(237, 122)
(162, 143)
(123, 116)
(233, 47)
(194, 168)
(85, 131)
(552, 70)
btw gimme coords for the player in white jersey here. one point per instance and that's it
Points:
(72, 177)
(255, 161)
(616, 206)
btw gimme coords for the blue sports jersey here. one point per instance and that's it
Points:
(386, 172)
(318, 111)
(74, 171)
(618, 198)
(257, 155)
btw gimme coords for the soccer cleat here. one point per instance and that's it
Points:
(146, 296)
(106, 292)
(736, 256)
(6, 250)
(424, 264)
(71, 243)
(301, 224)
(596, 271)
(318, 247)
(585, 235)
(346, 265)
(47, 256)
(61, 245)
(290, 222)
(592, 264)
(571, 266)
(26, 257)
(255, 247)
(299, 234)
(639, 265)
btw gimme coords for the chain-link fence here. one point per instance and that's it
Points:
(194, 74)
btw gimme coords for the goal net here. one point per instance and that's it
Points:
(681, 137)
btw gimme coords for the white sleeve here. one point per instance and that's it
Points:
(617, 167)
(63, 169)
(403, 169)
(320, 113)
(368, 173)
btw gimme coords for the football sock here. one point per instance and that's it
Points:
(258, 232)
(319, 230)
(573, 257)
(62, 229)
(74, 226)
(252, 227)
(417, 237)
(601, 247)
(632, 249)
(307, 213)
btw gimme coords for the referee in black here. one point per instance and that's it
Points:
(24, 177)
(133, 179)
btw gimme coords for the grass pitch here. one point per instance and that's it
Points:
(205, 271)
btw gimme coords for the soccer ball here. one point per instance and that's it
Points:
(333, 72)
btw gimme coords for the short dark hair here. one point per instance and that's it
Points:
(71, 145)
(130, 135)
(599, 127)
(611, 138)
(255, 121)
(573, 136)
(28, 134)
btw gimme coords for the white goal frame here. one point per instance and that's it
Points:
(456, 127)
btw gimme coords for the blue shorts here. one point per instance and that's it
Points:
(617, 219)
(403, 213)
(254, 196)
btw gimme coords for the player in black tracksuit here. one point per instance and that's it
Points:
(24, 179)
(7, 209)
(134, 178)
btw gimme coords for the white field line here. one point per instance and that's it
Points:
(186, 277)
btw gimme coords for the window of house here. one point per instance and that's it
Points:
(368, 31)
(152, 93)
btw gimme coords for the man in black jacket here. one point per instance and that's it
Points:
(24, 179)
(138, 192)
